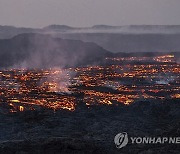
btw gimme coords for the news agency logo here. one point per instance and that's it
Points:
(121, 140)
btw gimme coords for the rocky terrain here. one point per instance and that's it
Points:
(90, 130)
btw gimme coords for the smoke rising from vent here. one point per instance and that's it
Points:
(58, 80)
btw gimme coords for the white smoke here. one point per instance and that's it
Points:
(58, 80)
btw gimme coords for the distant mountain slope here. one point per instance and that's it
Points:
(129, 29)
(145, 29)
(39, 51)
(133, 38)
(10, 31)
(129, 42)
(58, 28)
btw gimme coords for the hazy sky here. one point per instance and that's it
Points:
(40, 13)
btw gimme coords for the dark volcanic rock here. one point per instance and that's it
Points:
(90, 130)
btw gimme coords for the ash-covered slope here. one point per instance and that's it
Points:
(44, 51)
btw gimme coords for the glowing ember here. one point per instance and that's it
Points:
(21, 108)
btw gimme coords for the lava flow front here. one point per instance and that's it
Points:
(117, 81)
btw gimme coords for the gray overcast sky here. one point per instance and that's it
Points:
(40, 13)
